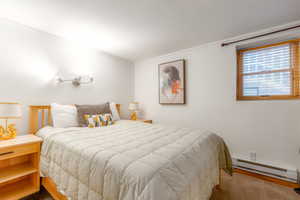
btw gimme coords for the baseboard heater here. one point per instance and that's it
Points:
(267, 170)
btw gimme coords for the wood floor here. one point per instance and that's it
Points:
(243, 187)
(239, 187)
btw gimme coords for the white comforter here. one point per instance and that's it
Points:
(131, 161)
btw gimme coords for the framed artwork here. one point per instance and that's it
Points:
(172, 82)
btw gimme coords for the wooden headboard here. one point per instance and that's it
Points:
(40, 116)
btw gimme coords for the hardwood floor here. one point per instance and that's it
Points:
(243, 187)
(239, 187)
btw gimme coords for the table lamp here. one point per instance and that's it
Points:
(9, 111)
(134, 107)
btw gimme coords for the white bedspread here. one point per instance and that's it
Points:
(131, 161)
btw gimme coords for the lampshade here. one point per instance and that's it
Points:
(133, 106)
(10, 111)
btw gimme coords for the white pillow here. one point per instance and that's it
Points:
(114, 111)
(64, 116)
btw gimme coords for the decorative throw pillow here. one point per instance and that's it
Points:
(93, 121)
(83, 110)
(106, 119)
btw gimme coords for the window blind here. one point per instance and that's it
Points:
(261, 71)
(269, 71)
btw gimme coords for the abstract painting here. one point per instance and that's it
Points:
(172, 82)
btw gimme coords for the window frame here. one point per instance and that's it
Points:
(294, 69)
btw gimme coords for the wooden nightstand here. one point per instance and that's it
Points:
(19, 167)
(149, 121)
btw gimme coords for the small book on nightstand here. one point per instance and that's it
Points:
(19, 167)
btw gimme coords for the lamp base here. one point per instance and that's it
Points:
(133, 116)
(297, 190)
(9, 133)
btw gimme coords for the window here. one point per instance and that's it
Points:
(269, 72)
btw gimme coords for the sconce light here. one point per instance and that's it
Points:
(77, 81)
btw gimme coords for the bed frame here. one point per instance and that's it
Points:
(40, 116)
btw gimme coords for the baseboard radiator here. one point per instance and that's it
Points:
(267, 170)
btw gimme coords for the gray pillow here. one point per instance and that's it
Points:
(90, 110)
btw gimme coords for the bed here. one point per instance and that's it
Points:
(128, 160)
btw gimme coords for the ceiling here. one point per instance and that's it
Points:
(137, 29)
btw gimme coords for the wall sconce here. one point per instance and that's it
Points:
(77, 81)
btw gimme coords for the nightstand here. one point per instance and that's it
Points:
(19, 167)
(149, 121)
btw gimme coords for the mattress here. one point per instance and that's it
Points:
(133, 161)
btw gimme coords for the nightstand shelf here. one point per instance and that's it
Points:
(19, 167)
(16, 171)
(17, 190)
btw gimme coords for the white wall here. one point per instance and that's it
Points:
(270, 128)
(30, 60)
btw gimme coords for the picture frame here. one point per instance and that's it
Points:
(172, 82)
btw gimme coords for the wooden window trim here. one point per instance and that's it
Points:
(294, 69)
